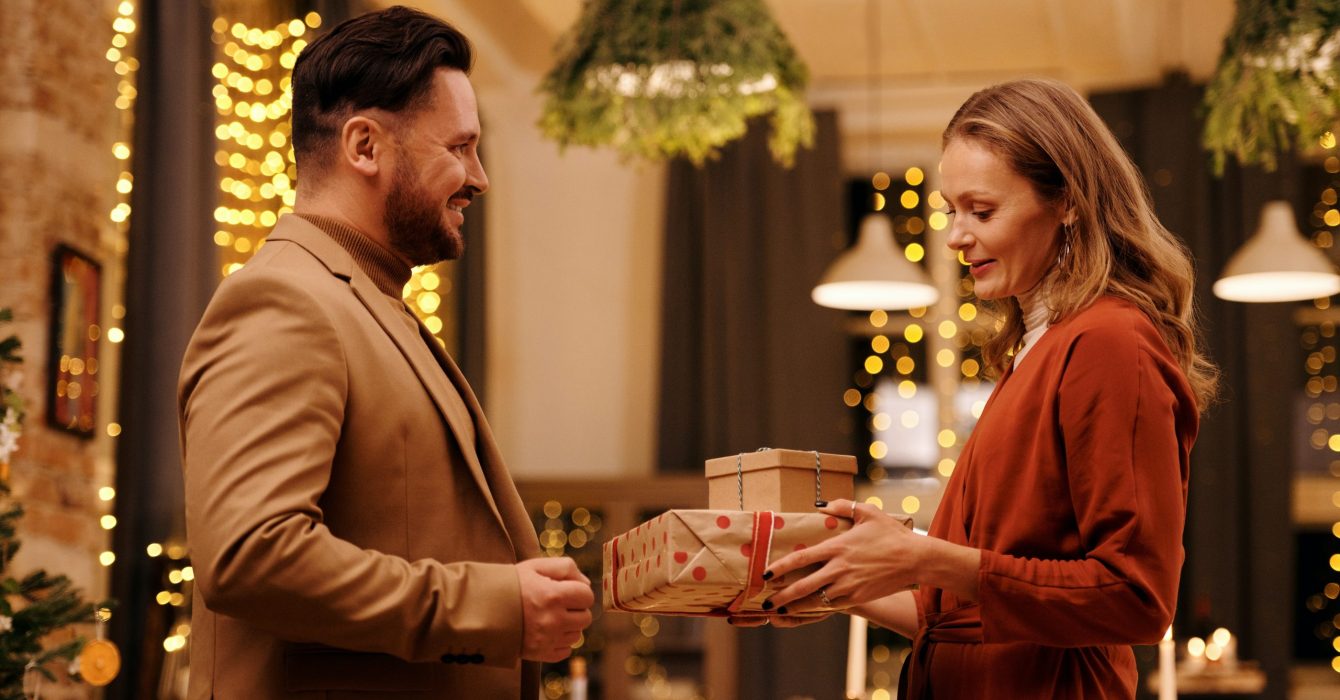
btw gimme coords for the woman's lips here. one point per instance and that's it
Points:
(982, 267)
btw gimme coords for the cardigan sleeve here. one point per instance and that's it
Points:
(1118, 404)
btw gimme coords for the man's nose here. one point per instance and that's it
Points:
(477, 178)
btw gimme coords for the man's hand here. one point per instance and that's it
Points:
(556, 604)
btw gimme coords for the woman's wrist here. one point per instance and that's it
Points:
(949, 566)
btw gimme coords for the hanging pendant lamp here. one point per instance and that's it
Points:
(874, 274)
(1277, 264)
(665, 78)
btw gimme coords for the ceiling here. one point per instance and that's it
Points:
(931, 54)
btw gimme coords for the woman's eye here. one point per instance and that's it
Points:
(982, 215)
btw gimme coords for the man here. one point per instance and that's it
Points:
(353, 529)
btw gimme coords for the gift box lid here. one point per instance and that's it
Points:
(779, 459)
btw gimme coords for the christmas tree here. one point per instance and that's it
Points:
(37, 604)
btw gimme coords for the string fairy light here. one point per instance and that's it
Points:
(121, 54)
(1320, 364)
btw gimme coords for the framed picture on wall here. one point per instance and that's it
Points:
(73, 370)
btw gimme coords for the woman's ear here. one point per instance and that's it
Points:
(1069, 214)
(362, 145)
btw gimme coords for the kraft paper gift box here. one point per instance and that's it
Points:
(710, 563)
(778, 480)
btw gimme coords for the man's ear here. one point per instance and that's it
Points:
(363, 145)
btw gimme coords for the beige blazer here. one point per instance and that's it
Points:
(352, 527)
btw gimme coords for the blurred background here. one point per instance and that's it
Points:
(637, 292)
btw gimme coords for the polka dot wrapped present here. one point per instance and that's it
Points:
(708, 563)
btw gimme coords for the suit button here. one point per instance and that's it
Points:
(476, 658)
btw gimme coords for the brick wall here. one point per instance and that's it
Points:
(57, 180)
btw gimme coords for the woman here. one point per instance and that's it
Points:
(1057, 544)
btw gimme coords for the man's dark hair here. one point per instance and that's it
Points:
(382, 59)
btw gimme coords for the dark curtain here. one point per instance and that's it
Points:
(171, 270)
(1239, 536)
(748, 360)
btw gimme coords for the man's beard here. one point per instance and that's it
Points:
(414, 222)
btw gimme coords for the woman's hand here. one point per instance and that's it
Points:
(877, 557)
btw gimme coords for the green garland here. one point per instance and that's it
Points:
(1277, 86)
(663, 78)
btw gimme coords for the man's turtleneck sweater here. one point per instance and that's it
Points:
(387, 271)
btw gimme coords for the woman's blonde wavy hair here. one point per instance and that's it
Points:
(1050, 135)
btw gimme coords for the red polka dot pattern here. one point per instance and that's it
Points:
(747, 550)
(699, 573)
(777, 522)
(723, 522)
(798, 547)
(831, 523)
(681, 557)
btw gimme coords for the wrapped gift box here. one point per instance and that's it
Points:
(779, 480)
(709, 562)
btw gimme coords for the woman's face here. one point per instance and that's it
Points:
(1007, 233)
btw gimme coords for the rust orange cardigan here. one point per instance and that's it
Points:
(1074, 486)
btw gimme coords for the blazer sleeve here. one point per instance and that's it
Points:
(1117, 411)
(261, 400)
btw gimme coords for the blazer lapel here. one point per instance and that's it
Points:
(517, 521)
(388, 314)
(430, 373)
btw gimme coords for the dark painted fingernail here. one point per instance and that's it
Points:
(767, 575)
(767, 605)
(781, 610)
(820, 504)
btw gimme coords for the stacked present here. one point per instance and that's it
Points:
(761, 507)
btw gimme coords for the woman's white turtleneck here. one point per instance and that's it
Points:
(1036, 315)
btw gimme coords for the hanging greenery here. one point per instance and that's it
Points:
(665, 78)
(1277, 86)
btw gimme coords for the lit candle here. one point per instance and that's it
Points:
(1195, 654)
(1228, 647)
(856, 653)
(1167, 667)
(577, 683)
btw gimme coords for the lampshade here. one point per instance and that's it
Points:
(874, 274)
(1277, 264)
